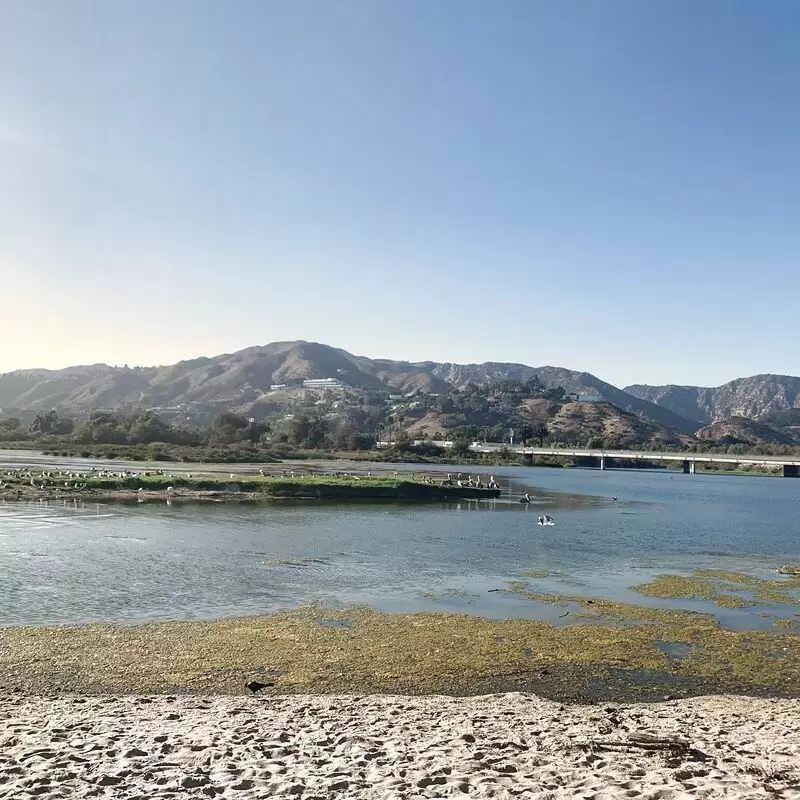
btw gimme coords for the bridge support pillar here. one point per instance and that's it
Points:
(688, 467)
(791, 471)
(602, 462)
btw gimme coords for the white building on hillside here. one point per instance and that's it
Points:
(323, 383)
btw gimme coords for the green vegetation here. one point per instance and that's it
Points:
(322, 650)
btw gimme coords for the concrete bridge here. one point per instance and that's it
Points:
(791, 465)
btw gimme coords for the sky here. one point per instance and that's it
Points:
(604, 185)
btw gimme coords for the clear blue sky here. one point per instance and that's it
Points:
(608, 185)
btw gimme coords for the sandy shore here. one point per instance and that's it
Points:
(499, 746)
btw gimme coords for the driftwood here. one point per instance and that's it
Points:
(644, 741)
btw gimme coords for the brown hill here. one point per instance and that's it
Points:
(738, 430)
(580, 422)
(574, 423)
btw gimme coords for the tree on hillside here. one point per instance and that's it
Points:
(101, 427)
(317, 434)
(147, 428)
(534, 386)
(50, 422)
(11, 430)
(557, 393)
(460, 447)
(540, 432)
(305, 431)
(348, 437)
(227, 428)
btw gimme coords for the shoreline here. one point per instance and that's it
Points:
(497, 746)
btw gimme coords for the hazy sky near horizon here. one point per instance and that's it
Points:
(606, 185)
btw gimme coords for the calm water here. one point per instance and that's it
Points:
(62, 564)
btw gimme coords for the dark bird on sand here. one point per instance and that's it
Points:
(255, 686)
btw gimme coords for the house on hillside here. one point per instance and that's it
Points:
(323, 383)
(591, 398)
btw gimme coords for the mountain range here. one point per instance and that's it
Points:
(756, 397)
(242, 380)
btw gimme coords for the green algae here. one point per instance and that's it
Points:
(360, 650)
(684, 587)
(778, 591)
(723, 588)
(467, 597)
(537, 573)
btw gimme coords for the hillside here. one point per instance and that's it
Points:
(242, 380)
(567, 422)
(580, 422)
(755, 397)
(787, 422)
(737, 430)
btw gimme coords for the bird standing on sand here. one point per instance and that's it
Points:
(255, 686)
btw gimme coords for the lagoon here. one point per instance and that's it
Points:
(75, 563)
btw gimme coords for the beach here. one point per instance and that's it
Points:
(499, 746)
